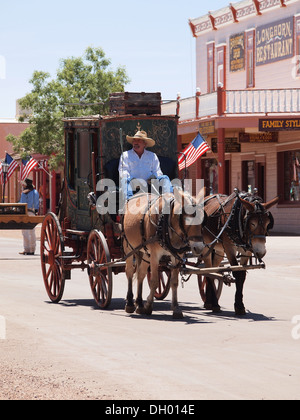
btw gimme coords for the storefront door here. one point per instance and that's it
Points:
(210, 174)
(253, 176)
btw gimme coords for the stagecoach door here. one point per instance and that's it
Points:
(83, 178)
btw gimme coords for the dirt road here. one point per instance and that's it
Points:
(74, 351)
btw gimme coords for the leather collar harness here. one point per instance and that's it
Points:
(165, 230)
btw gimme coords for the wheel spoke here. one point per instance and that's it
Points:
(100, 279)
(51, 251)
(164, 277)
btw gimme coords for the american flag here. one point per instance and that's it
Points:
(192, 152)
(13, 164)
(27, 167)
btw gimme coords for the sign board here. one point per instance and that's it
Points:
(275, 41)
(207, 127)
(237, 52)
(266, 137)
(279, 124)
(231, 145)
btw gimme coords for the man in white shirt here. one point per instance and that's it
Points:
(140, 164)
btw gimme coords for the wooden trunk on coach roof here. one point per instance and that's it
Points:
(95, 141)
(126, 103)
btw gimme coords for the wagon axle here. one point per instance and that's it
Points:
(94, 269)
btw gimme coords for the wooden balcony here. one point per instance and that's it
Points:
(236, 102)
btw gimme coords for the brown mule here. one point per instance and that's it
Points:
(244, 224)
(156, 230)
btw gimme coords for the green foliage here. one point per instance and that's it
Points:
(79, 80)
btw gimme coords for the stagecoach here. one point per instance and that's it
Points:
(79, 237)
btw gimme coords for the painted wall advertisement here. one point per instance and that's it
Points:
(275, 41)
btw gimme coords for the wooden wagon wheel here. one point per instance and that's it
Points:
(202, 283)
(100, 277)
(164, 283)
(52, 248)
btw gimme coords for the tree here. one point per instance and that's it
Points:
(79, 80)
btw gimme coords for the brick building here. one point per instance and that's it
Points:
(40, 175)
(247, 103)
(10, 126)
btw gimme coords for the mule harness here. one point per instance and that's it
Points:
(163, 233)
(236, 224)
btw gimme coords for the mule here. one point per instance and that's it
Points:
(160, 229)
(244, 224)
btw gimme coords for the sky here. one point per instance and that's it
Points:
(152, 39)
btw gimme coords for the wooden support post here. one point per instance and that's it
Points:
(221, 158)
(221, 140)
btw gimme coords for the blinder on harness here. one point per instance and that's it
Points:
(259, 212)
(239, 222)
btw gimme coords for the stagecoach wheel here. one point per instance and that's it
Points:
(100, 277)
(52, 248)
(202, 283)
(164, 283)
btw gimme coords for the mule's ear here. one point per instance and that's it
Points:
(271, 203)
(200, 197)
(248, 206)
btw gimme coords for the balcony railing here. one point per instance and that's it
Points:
(273, 101)
(231, 102)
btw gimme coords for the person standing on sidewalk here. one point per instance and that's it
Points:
(30, 196)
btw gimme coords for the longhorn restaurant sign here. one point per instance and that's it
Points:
(275, 41)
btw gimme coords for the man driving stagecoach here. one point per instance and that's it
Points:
(142, 165)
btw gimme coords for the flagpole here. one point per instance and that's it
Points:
(41, 167)
(211, 151)
(185, 169)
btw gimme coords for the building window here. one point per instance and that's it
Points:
(70, 144)
(210, 175)
(84, 154)
(221, 66)
(248, 177)
(297, 26)
(250, 62)
(211, 68)
(289, 184)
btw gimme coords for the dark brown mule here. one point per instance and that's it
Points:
(157, 229)
(244, 224)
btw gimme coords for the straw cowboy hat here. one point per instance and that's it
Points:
(141, 135)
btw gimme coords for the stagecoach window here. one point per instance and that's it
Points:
(291, 170)
(71, 160)
(84, 155)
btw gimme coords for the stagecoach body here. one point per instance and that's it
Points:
(93, 149)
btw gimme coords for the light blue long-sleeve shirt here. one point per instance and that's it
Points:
(133, 166)
(31, 199)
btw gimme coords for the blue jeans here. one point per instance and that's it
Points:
(129, 185)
